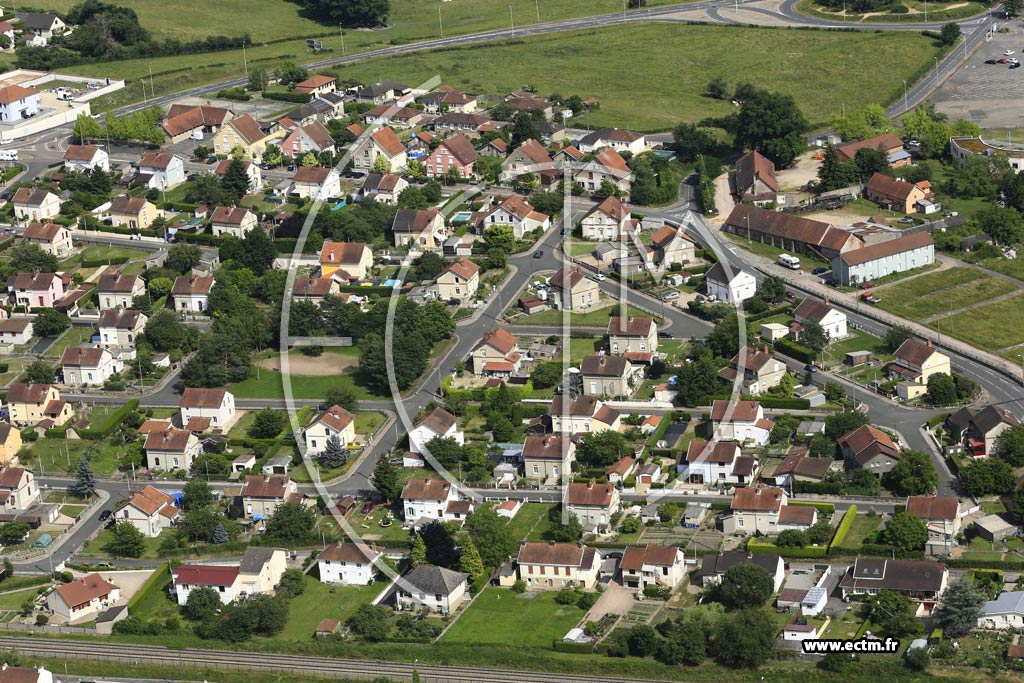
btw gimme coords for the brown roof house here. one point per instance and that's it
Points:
(18, 488)
(789, 232)
(761, 371)
(317, 84)
(149, 510)
(497, 353)
(869, 448)
(548, 459)
(333, 423)
(419, 230)
(345, 261)
(609, 220)
(117, 290)
(172, 449)
(120, 328)
(315, 182)
(607, 376)
(572, 290)
(28, 404)
(232, 221)
(592, 503)
(184, 121)
(670, 245)
(897, 195)
(262, 494)
(459, 280)
(716, 464)
(50, 237)
(884, 258)
(514, 211)
(135, 213)
(984, 429)
(921, 581)
(554, 566)
(217, 405)
(755, 510)
(381, 151)
(531, 157)
(738, 420)
(581, 415)
(89, 366)
(831, 319)
(607, 166)
(35, 204)
(192, 293)
(454, 153)
(82, 598)
(942, 515)
(433, 499)
(438, 423)
(754, 181)
(888, 143)
(632, 333)
(654, 565)
(84, 158)
(348, 564)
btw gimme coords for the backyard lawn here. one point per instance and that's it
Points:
(992, 327)
(63, 455)
(857, 341)
(95, 253)
(71, 337)
(500, 615)
(320, 601)
(531, 522)
(940, 292)
(1011, 267)
(862, 527)
(94, 548)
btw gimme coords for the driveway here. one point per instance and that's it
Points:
(615, 600)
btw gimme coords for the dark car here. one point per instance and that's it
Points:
(1002, 60)
(991, 61)
(665, 335)
(811, 367)
(819, 271)
(1015, 65)
(105, 515)
(791, 296)
(292, 167)
(538, 254)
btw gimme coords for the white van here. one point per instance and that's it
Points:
(8, 155)
(791, 262)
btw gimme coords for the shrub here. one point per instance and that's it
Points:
(567, 596)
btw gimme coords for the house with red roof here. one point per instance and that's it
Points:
(897, 195)
(161, 170)
(18, 488)
(609, 220)
(245, 133)
(606, 166)
(438, 423)
(316, 85)
(84, 158)
(312, 138)
(888, 143)
(632, 333)
(497, 353)
(759, 370)
(216, 404)
(50, 237)
(529, 157)
(184, 121)
(333, 423)
(592, 503)
(383, 144)
(459, 280)
(869, 448)
(554, 566)
(426, 500)
(36, 289)
(232, 221)
(18, 103)
(715, 464)
(35, 204)
(753, 181)
(82, 597)
(738, 420)
(516, 212)
(262, 494)
(149, 510)
(30, 404)
(661, 566)
(547, 459)
(456, 153)
(172, 449)
(348, 564)
(755, 510)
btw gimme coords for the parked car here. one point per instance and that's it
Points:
(867, 285)
(991, 61)
(811, 367)
(1009, 52)
(670, 296)
(1015, 65)
(870, 298)
(600, 277)
(791, 296)
(1002, 60)
(538, 254)
(819, 271)
(906, 219)
(105, 515)
(665, 335)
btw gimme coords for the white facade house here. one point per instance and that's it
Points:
(717, 463)
(89, 366)
(192, 293)
(1005, 613)
(18, 103)
(162, 170)
(652, 565)
(83, 597)
(150, 511)
(84, 158)
(743, 421)
(189, 577)
(439, 423)
(216, 404)
(731, 288)
(436, 588)
(433, 499)
(335, 422)
(16, 331)
(832, 320)
(350, 564)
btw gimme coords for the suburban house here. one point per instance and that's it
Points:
(245, 133)
(942, 516)
(737, 420)
(869, 448)
(669, 246)
(150, 511)
(346, 261)
(258, 572)
(917, 361)
(732, 288)
(315, 182)
(16, 331)
(88, 366)
(455, 152)
(653, 565)
(43, 25)
(1005, 613)
(789, 232)
(529, 157)
(336, 423)
(18, 103)
(831, 320)
(607, 376)
(897, 195)
(192, 293)
(632, 334)
(161, 170)
(383, 187)
(384, 91)
(34, 204)
(24, 674)
(433, 499)
(581, 415)
(252, 172)
(884, 258)
(232, 221)
(312, 138)
(316, 85)
(117, 290)
(572, 290)
(419, 229)
(715, 463)
(36, 290)
(446, 98)
(84, 158)
(797, 466)
(10, 444)
(438, 423)
(592, 503)
(135, 213)
(548, 459)
(459, 280)
(172, 449)
(383, 144)
(888, 143)
(29, 404)
(497, 353)
(609, 220)
(348, 564)
(714, 565)
(761, 371)
(121, 327)
(755, 510)
(185, 121)
(262, 494)
(921, 581)
(217, 405)
(606, 166)
(434, 588)
(82, 597)
(754, 181)
(984, 428)
(458, 122)
(619, 140)
(50, 237)
(18, 488)
(554, 566)
(514, 211)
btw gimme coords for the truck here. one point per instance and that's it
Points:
(791, 262)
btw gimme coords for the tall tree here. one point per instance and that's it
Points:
(84, 484)
(492, 536)
(126, 541)
(236, 181)
(196, 494)
(385, 479)
(419, 551)
(913, 475)
(959, 608)
(334, 454)
(905, 532)
(441, 550)
(745, 639)
(469, 560)
(772, 124)
(524, 128)
(745, 585)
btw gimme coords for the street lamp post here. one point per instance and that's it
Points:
(245, 62)
(511, 20)
(145, 101)
(440, 21)
(341, 32)
(904, 95)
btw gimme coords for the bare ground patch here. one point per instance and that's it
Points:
(325, 364)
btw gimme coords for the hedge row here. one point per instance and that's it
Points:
(573, 648)
(823, 508)
(794, 350)
(769, 313)
(97, 262)
(768, 401)
(301, 98)
(880, 550)
(356, 289)
(762, 548)
(968, 563)
(56, 433)
(843, 529)
(114, 422)
(151, 584)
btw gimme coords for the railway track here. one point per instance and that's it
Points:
(316, 667)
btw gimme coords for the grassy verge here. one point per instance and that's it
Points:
(942, 291)
(94, 548)
(597, 317)
(991, 327)
(502, 616)
(936, 12)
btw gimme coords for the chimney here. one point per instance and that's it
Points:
(929, 343)
(827, 302)
(550, 543)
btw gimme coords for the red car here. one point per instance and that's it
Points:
(1002, 60)
(368, 508)
(867, 285)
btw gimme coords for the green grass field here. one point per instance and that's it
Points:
(862, 527)
(597, 317)
(94, 548)
(531, 522)
(606, 63)
(71, 337)
(991, 327)
(13, 601)
(503, 616)
(63, 455)
(939, 292)
(320, 601)
(857, 341)
(936, 11)
(95, 252)
(1011, 267)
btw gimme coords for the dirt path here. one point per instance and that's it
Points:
(802, 172)
(324, 364)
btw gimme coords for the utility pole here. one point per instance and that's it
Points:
(341, 30)
(152, 90)
(440, 22)
(245, 62)
(144, 100)
(904, 95)
(511, 20)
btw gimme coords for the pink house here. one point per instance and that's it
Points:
(37, 290)
(313, 138)
(455, 152)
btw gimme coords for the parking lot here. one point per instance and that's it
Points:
(988, 94)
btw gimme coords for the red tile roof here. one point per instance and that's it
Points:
(196, 397)
(229, 215)
(426, 489)
(462, 267)
(15, 93)
(388, 141)
(546, 447)
(886, 142)
(248, 128)
(933, 507)
(438, 421)
(552, 554)
(80, 152)
(265, 486)
(735, 410)
(342, 253)
(84, 590)
(634, 558)
(204, 575)
(335, 417)
(760, 499)
(630, 326)
(802, 515)
(590, 494)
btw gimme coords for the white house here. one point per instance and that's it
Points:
(120, 328)
(150, 511)
(619, 140)
(84, 158)
(218, 405)
(1004, 613)
(832, 320)
(161, 170)
(315, 182)
(737, 420)
(222, 579)
(18, 103)
(335, 422)
(83, 366)
(117, 290)
(192, 294)
(263, 494)
(233, 221)
(652, 565)
(609, 220)
(438, 423)
(734, 288)
(82, 597)
(24, 674)
(16, 331)
(172, 449)
(555, 566)
(715, 463)
(430, 499)
(35, 204)
(52, 238)
(436, 588)
(18, 488)
(517, 213)
(346, 563)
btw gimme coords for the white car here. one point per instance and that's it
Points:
(1009, 52)
(600, 277)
